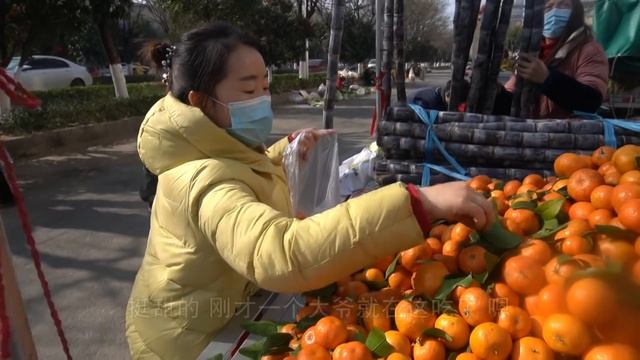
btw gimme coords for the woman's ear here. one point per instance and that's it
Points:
(195, 98)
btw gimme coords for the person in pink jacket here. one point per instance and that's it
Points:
(572, 69)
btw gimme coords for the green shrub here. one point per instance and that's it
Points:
(92, 104)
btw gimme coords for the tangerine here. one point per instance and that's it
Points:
(531, 348)
(524, 275)
(472, 260)
(456, 327)
(353, 350)
(566, 334)
(428, 278)
(568, 163)
(515, 320)
(475, 306)
(591, 300)
(602, 155)
(489, 341)
(626, 158)
(582, 183)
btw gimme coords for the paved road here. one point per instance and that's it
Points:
(91, 229)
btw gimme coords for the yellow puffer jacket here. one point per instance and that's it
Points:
(221, 224)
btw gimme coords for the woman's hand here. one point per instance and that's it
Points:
(532, 69)
(457, 202)
(308, 139)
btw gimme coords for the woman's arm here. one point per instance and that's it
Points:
(571, 94)
(284, 254)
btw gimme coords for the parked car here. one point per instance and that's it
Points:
(372, 63)
(42, 72)
(317, 65)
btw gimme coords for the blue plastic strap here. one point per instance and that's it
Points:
(609, 126)
(431, 141)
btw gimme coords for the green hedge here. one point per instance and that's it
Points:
(84, 105)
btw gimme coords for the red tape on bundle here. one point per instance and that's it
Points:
(10, 175)
(16, 92)
(5, 332)
(383, 103)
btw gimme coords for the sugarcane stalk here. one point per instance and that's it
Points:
(335, 43)
(483, 58)
(399, 51)
(530, 97)
(496, 58)
(465, 19)
(387, 50)
(525, 39)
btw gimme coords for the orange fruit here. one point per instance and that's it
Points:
(591, 300)
(388, 296)
(511, 188)
(471, 260)
(289, 329)
(354, 330)
(566, 334)
(345, 310)
(574, 245)
(456, 327)
(460, 232)
(489, 341)
(612, 352)
(612, 177)
(428, 278)
(398, 356)
(637, 245)
(623, 328)
(600, 217)
(376, 316)
(537, 322)
(591, 260)
(623, 192)
(577, 227)
(353, 289)
(632, 176)
(629, 214)
(580, 210)
(537, 250)
(534, 180)
(411, 320)
(601, 197)
(617, 223)
(568, 163)
(524, 275)
(523, 222)
(606, 167)
(560, 184)
(556, 273)
(500, 200)
(457, 292)
(526, 189)
(515, 320)
(532, 304)
(430, 349)
(452, 248)
(409, 257)
(438, 230)
(314, 352)
(626, 158)
(383, 263)
(531, 348)
(635, 272)
(467, 356)
(617, 251)
(353, 350)
(374, 275)
(399, 342)
(330, 332)
(503, 292)
(602, 155)
(582, 183)
(480, 183)
(450, 261)
(551, 300)
(435, 244)
(309, 337)
(400, 280)
(475, 306)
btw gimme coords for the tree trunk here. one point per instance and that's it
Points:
(387, 52)
(399, 50)
(335, 43)
(119, 81)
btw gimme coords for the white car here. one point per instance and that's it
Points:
(41, 73)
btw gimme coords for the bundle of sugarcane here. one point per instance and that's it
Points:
(464, 24)
(525, 95)
(491, 88)
(390, 171)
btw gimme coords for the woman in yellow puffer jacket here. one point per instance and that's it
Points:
(221, 222)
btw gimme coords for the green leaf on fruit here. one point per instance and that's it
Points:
(550, 209)
(377, 343)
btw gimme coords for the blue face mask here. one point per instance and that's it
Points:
(555, 21)
(251, 120)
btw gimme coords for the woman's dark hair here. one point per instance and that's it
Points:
(199, 61)
(576, 21)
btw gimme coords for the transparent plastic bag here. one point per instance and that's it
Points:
(314, 182)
